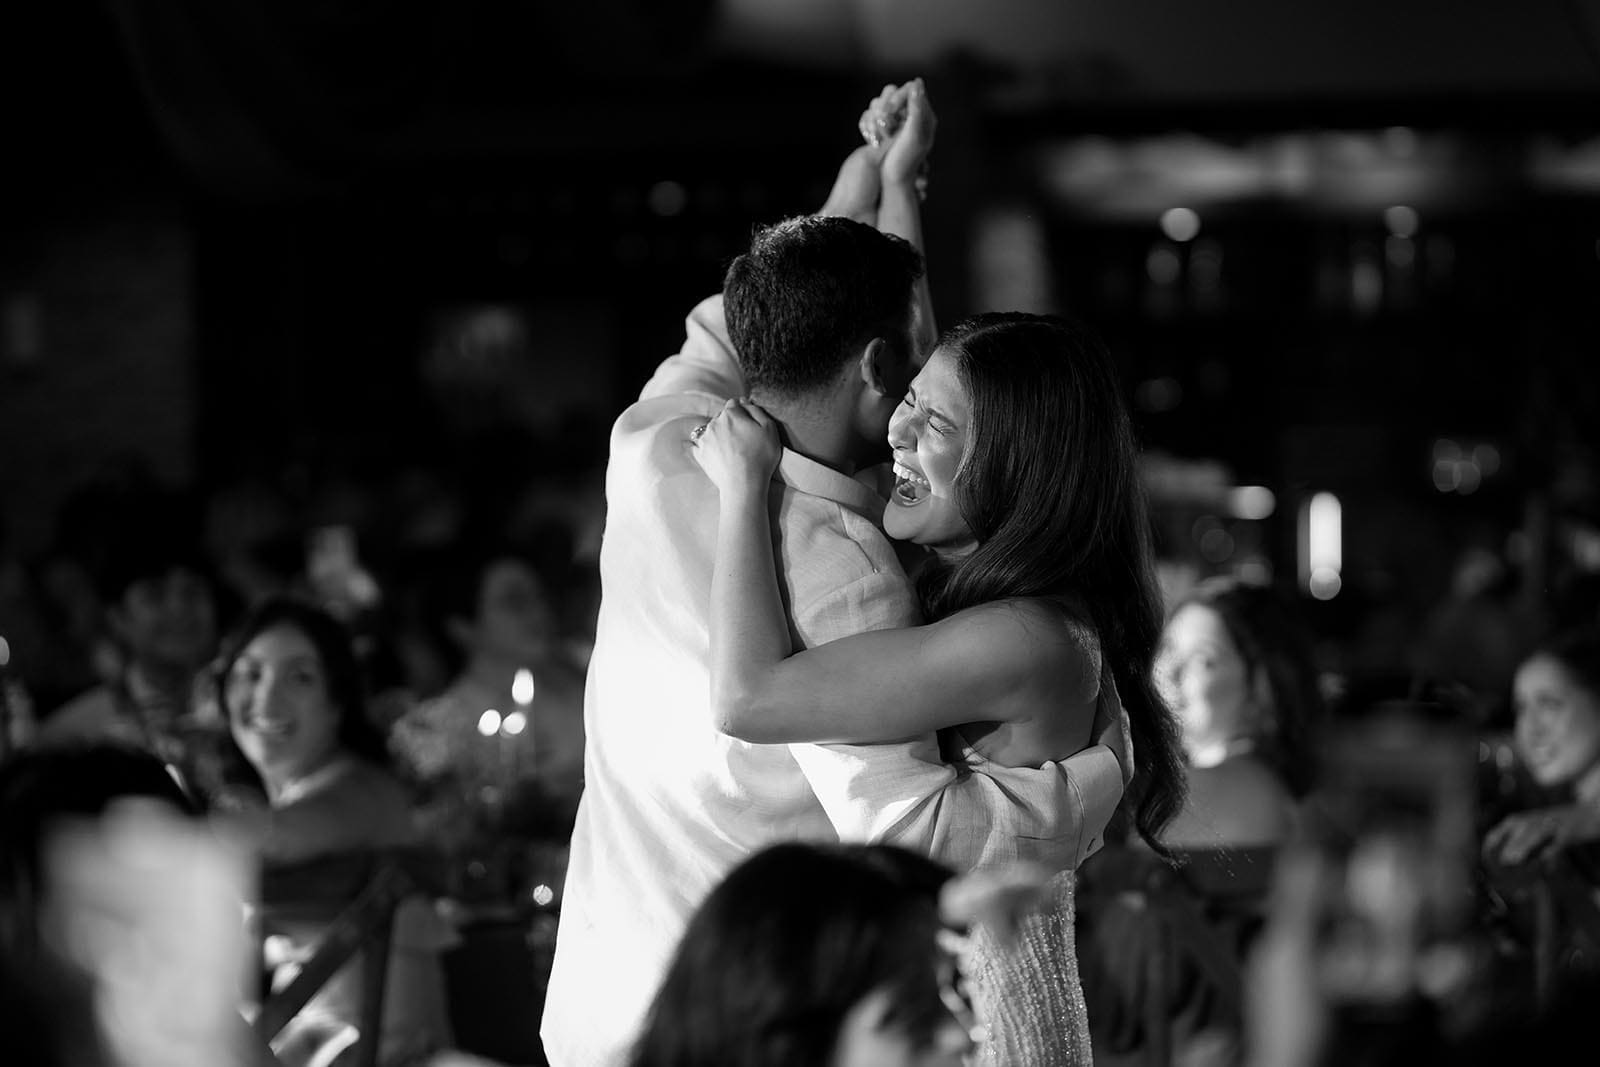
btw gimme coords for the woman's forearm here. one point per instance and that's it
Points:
(749, 630)
(900, 214)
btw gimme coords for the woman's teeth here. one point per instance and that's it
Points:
(909, 486)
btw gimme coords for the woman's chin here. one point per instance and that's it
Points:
(897, 524)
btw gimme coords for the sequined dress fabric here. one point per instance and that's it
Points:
(1028, 995)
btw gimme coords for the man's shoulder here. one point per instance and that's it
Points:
(655, 414)
(841, 569)
(817, 522)
(705, 364)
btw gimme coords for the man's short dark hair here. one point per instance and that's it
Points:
(808, 292)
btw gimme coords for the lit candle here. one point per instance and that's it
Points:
(522, 689)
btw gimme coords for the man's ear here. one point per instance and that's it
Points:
(877, 366)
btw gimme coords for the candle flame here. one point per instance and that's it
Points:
(522, 686)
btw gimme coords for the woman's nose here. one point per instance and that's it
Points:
(900, 429)
(262, 693)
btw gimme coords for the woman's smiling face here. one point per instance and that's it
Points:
(1557, 721)
(279, 707)
(928, 433)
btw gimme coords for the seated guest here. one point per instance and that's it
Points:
(291, 687)
(1556, 698)
(813, 954)
(496, 616)
(1544, 859)
(1235, 663)
(160, 608)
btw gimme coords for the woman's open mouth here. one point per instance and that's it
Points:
(910, 488)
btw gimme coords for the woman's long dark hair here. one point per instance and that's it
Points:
(1050, 488)
(776, 955)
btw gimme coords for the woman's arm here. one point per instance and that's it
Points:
(996, 662)
(900, 203)
(739, 450)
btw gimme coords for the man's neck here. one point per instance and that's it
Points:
(817, 429)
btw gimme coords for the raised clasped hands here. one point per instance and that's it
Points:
(898, 126)
(911, 124)
(739, 447)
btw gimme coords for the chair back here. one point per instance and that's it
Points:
(1160, 942)
(356, 895)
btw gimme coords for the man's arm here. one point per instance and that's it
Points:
(969, 816)
(706, 362)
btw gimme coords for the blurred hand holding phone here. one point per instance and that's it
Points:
(1371, 952)
(1394, 819)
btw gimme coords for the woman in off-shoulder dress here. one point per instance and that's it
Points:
(1014, 469)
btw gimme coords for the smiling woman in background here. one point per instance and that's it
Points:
(292, 691)
(1557, 701)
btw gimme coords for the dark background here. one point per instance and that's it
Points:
(314, 244)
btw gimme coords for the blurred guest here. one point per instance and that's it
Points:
(292, 690)
(1556, 695)
(1474, 636)
(809, 954)
(160, 608)
(1293, 1020)
(250, 534)
(121, 940)
(1236, 665)
(489, 743)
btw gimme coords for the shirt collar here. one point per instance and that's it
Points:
(859, 494)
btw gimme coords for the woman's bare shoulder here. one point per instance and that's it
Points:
(1039, 636)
